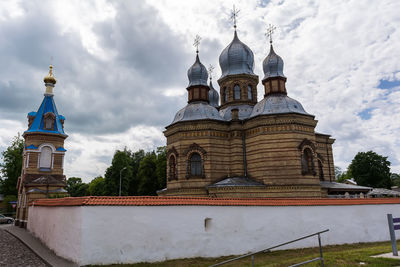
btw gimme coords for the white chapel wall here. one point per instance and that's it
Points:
(124, 234)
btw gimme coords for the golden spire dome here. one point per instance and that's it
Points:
(50, 78)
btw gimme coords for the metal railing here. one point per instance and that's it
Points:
(320, 258)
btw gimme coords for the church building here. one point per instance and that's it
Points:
(240, 146)
(43, 156)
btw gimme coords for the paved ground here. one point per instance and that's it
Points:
(14, 253)
(18, 247)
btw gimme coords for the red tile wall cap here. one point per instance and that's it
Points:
(206, 201)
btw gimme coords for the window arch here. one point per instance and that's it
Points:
(45, 158)
(236, 90)
(172, 168)
(249, 94)
(196, 168)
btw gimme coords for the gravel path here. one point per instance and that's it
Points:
(15, 253)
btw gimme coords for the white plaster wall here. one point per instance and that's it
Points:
(116, 234)
(59, 228)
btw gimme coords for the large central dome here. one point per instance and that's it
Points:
(236, 58)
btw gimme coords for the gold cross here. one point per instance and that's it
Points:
(197, 43)
(210, 70)
(234, 15)
(270, 31)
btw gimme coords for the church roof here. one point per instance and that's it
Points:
(236, 181)
(48, 105)
(278, 104)
(244, 112)
(197, 111)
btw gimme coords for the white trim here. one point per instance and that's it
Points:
(52, 160)
(53, 148)
(27, 160)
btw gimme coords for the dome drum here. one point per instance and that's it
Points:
(198, 93)
(275, 85)
(240, 89)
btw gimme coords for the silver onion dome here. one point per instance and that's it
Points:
(213, 96)
(273, 65)
(197, 73)
(236, 58)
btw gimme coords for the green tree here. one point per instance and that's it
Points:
(11, 167)
(395, 179)
(147, 175)
(120, 160)
(370, 169)
(76, 188)
(161, 167)
(97, 187)
(133, 184)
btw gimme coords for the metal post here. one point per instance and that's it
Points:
(252, 260)
(392, 235)
(320, 250)
(120, 179)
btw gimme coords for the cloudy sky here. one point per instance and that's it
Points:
(121, 68)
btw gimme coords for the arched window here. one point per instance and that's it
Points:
(45, 158)
(236, 90)
(249, 95)
(320, 171)
(195, 165)
(172, 168)
(307, 163)
(225, 94)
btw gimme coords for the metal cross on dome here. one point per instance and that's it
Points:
(234, 15)
(270, 31)
(210, 70)
(197, 43)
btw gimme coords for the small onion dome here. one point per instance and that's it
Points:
(197, 74)
(273, 65)
(236, 58)
(50, 78)
(213, 96)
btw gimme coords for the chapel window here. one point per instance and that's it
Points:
(195, 165)
(48, 123)
(236, 90)
(225, 94)
(307, 163)
(45, 158)
(249, 96)
(320, 171)
(172, 168)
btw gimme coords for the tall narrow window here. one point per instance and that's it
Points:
(195, 165)
(249, 96)
(307, 162)
(225, 94)
(236, 90)
(45, 158)
(172, 168)
(320, 171)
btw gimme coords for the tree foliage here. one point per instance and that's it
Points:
(370, 169)
(145, 173)
(97, 187)
(11, 167)
(76, 188)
